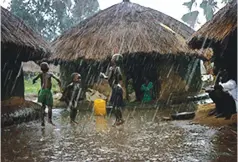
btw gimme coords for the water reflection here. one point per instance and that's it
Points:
(101, 124)
(143, 137)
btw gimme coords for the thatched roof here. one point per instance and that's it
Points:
(20, 41)
(125, 28)
(222, 25)
(31, 66)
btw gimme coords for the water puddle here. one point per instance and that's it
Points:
(144, 136)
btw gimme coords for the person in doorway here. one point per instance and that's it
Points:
(114, 77)
(45, 95)
(72, 95)
(147, 88)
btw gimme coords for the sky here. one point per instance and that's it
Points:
(173, 8)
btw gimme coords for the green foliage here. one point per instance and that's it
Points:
(31, 88)
(189, 4)
(51, 17)
(190, 18)
(208, 6)
(85, 8)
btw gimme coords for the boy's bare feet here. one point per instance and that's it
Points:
(120, 122)
(73, 122)
(116, 123)
(50, 122)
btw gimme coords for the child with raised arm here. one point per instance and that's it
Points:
(45, 95)
(114, 78)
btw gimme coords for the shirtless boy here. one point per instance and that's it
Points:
(45, 95)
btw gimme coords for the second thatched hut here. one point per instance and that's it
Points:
(19, 43)
(152, 43)
(220, 34)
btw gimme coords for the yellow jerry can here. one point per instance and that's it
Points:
(100, 107)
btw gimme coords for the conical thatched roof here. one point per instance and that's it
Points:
(223, 24)
(125, 28)
(20, 41)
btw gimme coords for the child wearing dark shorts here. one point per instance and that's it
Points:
(114, 77)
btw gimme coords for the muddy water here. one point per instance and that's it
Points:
(144, 137)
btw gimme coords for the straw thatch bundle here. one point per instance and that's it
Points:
(20, 41)
(125, 28)
(223, 24)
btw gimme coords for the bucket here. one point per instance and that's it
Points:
(100, 107)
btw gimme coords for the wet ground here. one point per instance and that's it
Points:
(144, 137)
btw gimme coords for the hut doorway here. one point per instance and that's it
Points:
(12, 80)
(140, 67)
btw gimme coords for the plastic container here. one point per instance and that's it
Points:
(100, 107)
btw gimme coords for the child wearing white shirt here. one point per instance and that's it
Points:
(224, 95)
(230, 87)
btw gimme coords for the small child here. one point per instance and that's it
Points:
(116, 101)
(114, 78)
(45, 95)
(71, 95)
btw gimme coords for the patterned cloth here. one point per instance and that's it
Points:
(147, 89)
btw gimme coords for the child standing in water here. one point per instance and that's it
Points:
(45, 95)
(71, 95)
(114, 78)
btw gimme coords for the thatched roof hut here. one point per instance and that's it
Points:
(18, 41)
(220, 27)
(125, 27)
(133, 31)
(220, 34)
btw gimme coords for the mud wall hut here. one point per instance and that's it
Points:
(152, 43)
(220, 34)
(18, 43)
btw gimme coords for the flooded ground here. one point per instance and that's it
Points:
(144, 137)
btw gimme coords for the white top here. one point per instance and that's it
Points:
(230, 87)
(202, 68)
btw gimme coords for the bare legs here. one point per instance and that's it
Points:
(118, 115)
(73, 113)
(43, 115)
